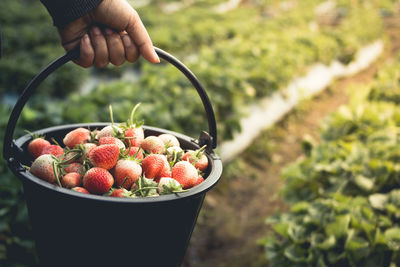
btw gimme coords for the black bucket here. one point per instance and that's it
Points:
(75, 229)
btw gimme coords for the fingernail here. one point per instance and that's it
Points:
(108, 31)
(127, 40)
(96, 31)
(86, 39)
(156, 56)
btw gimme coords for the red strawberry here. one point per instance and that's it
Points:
(42, 168)
(109, 140)
(153, 144)
(76, 137)
(80, 189)
(154, 165)
(185, 173)
(55, 150)
(197, 157)
(136, 152)
(199, 180)
(126, 172)
(36, 146)
(74, 167)
(104, 156)
(71, 180)
(120, 192)
(135, 136)
(169, 140)
(98, 181)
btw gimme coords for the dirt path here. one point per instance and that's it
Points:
(235, 210)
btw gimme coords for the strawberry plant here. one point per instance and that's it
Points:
(345, 193)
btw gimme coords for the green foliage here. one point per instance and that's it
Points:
(29, 43)
(345, 193)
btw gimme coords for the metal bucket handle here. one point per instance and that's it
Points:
(11, 150)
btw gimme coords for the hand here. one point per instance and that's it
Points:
(112, 32)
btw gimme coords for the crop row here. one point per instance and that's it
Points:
(345, 194)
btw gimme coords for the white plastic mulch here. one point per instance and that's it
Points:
(271, 109)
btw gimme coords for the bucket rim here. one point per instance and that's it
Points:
(206, 185)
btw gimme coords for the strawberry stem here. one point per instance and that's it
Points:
(144, 188)
(56, 174)
(111, 114)
(133, 114)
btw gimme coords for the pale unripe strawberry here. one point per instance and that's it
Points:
(126, 172)
(76, 137)
(42, 168)
(169, 140)
(167, 184)
(98, 181)
(153, 144)
(109, 140)
(71, 180)
(87, 147)
(109, 131)
(185, 173)
(36, 146)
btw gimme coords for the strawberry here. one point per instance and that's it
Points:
(134, 135)
(36, 146)
(197, 157)
(120, 192)
(104, 156)
(110, 131)
(185, 173)
(198, 181)
(76, 137)
(135, 152)
(80, 189)
(153, 165)
(45, 168)
(144, 187)
(169, 140)
(74, 167)
(168, 186)
(153, 144)
(86, 148)
(126, 172)
(55, 150)
(109, 140)
(71, 180)
(98, 181)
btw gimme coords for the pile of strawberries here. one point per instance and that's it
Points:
(118, 161)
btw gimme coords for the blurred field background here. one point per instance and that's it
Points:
(327, 182)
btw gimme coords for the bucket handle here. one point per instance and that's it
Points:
(10, 149)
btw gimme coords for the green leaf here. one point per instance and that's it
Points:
(295, 253)
(366, 184)
(378, 201)
(339, 227)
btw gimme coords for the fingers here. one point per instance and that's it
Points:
(138, 33)
(115, 47)
(101, 57)
(86, 53)
(131, 51)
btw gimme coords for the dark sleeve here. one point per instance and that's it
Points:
(66, 11)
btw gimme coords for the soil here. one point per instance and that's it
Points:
(232, 219)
